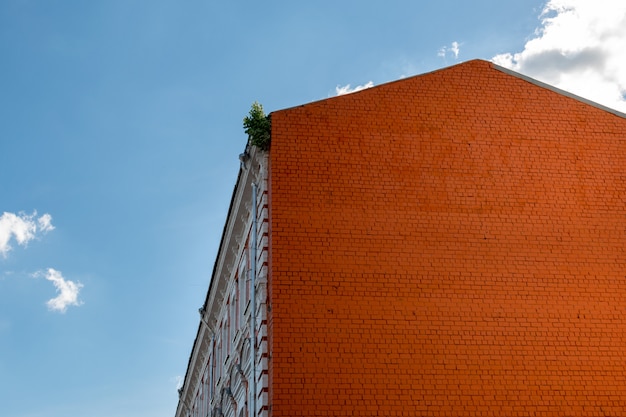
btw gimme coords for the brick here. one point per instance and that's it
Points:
(448, 244)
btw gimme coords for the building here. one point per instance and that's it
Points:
(448, 244)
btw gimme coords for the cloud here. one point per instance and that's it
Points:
(67, 290)
(179, 381)
(22, 228)
(45, 223)
(347, 90)
(579, 47)
(453, 49)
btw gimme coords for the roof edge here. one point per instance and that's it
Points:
(557, 90)
(484, 62)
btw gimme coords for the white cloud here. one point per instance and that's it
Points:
(579, 48)
(179, 382)
(347, 90)
(453, 49)
(22, 228)
(67, 290)
(45, 223)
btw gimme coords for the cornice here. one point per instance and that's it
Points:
(232, 243)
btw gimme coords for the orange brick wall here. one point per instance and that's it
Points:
(452, 244)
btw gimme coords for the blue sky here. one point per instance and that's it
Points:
(121, 123)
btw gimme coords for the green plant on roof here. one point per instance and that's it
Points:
(258, 127)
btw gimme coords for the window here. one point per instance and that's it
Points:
(218, 359)
(226, 331)
(200, 402)
(207, 388)
(234, 310)
(244, 288)
(213, 360)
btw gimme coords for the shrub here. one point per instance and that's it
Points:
(258, 127)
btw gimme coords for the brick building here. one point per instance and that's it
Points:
(448, 244)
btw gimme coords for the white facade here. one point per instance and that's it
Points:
(222, 379)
